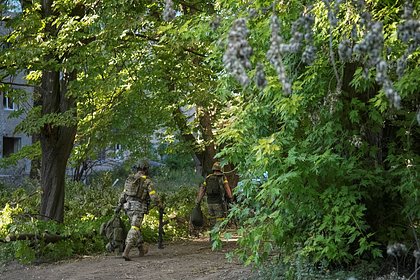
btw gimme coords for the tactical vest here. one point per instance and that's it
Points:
(135, 187)
(214, 189)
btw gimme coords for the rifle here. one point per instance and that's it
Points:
(162, 223)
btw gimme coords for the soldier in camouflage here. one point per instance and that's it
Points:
(218, 192)
(135, 199)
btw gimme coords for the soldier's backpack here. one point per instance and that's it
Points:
(214, 189)
(135, 186)
(115, 233)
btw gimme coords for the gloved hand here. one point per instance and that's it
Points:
(117, 210)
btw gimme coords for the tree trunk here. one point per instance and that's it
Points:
(210, 151)
(53, 167)
(208, 156)
(46, 237)
(35, 172)
(56, 139)
(56, 144)
(203, 158)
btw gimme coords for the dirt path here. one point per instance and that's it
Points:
(192, 259)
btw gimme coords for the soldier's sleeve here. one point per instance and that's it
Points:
(123, 198)
(121, 201)
(227, 187)
(152, 192)
(201, 192)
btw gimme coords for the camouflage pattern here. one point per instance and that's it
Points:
(115, 233)
(135, 200)
(217, 212)
(214, 188)
(136, 215)
(143, 165)
(136, 186)
(217, 189)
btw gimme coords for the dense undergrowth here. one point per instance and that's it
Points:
(86, 208)
(340, 144)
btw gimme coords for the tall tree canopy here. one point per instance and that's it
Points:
(111, 72)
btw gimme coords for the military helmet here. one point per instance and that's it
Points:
(142, 166)
(216, 166)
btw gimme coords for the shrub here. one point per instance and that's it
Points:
(86, 208)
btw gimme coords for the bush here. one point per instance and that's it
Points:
(86, 208)
(170, 180)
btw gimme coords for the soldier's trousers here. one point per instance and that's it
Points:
(134, 236)
(217, 213)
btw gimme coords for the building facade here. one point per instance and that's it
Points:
(12, 141)
(12, 88)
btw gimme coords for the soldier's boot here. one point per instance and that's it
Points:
(143, 249)
(126, 254)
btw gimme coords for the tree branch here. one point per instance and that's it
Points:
(18, 84)
(157, 40)
(47, 237)
(192, 7)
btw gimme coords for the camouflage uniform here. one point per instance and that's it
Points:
(217, 203)
(217, 207)
(135, 199)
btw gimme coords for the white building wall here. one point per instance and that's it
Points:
(8, 132)
(8, 124)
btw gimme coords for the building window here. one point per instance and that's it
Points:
(10, 145)
(8, 103)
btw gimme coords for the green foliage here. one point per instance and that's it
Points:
(342, 183)
(87, 207)
(80, 232)
(179, 205)
(30, 152)
(170, 180)
(302, 269)
(342, 164)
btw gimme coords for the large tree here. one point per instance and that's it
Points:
(49, 41)
(112, 72)
(32, 38)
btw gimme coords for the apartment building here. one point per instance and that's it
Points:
(12, 141)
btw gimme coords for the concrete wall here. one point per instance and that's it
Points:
(7, 129)
(8, 124)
